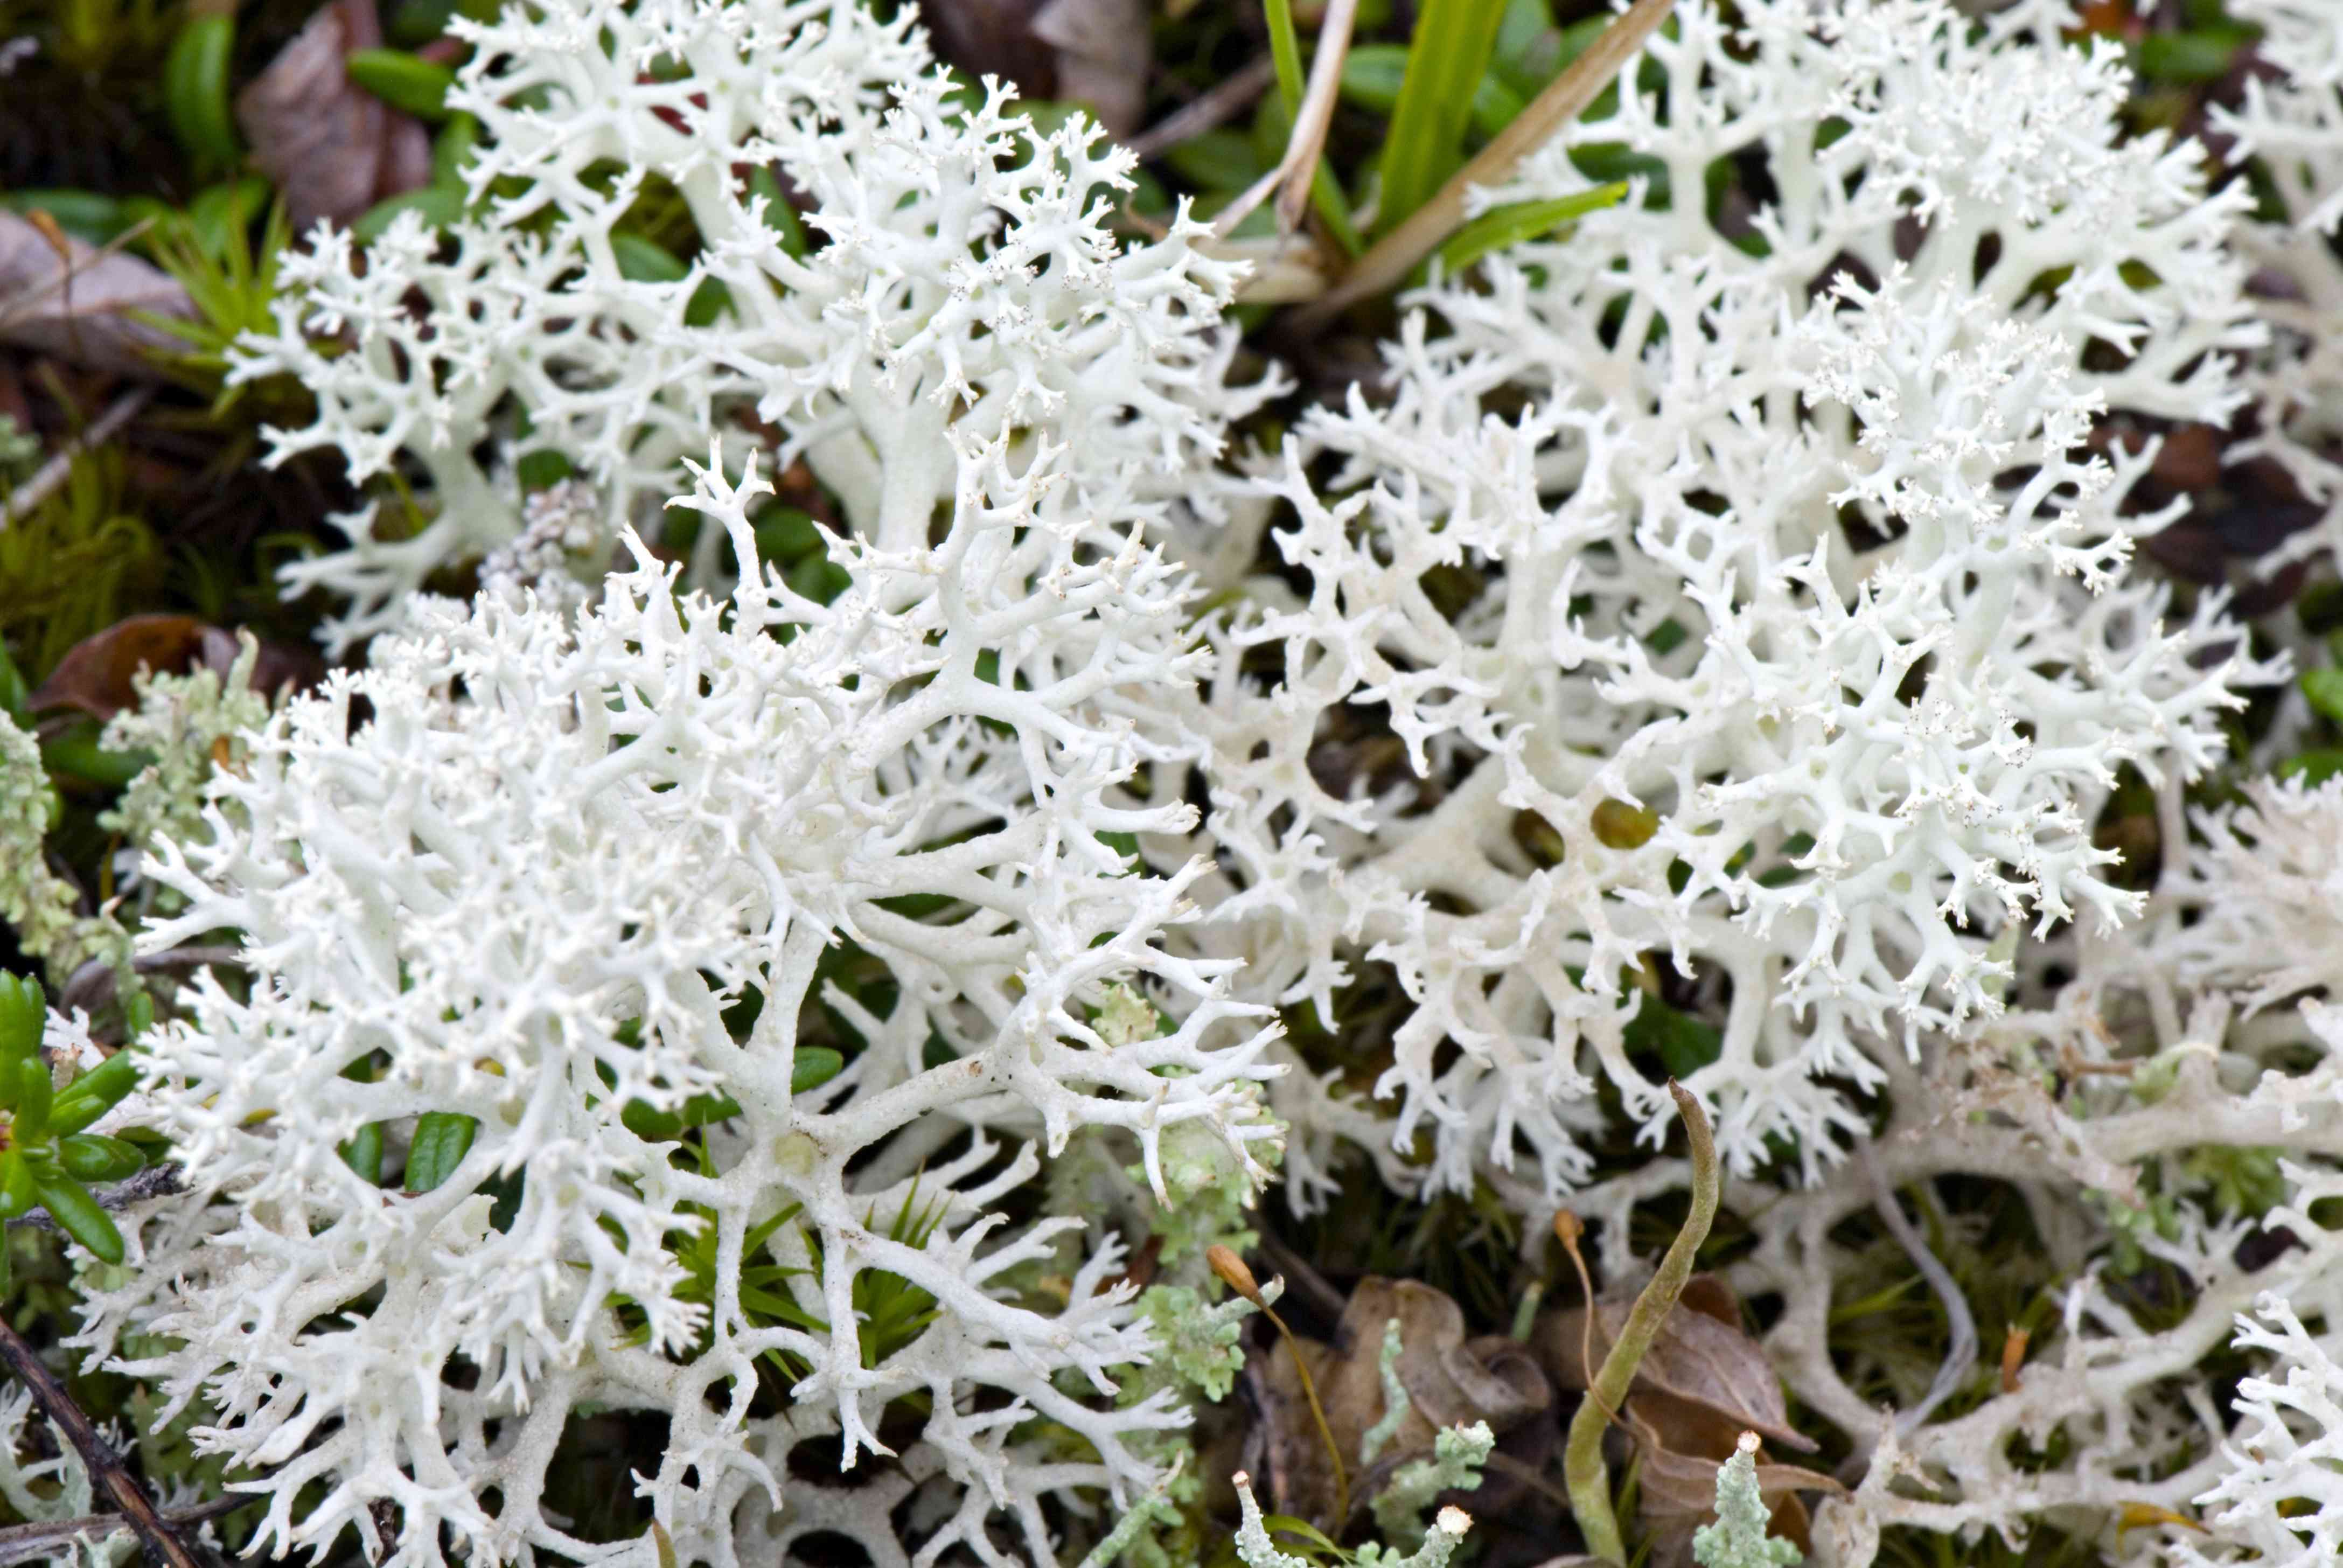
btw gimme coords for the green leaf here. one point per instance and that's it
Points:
(1216, 161)
(89, 1156)
(220, 216)
(402, 80)
(779, 215)
(78, 1216)
(642, 260)
(2325, 690)
(1508, 225)
(442, 1139)
(95, 1092)
(34, 1097)
(1682, 1042)
(85, 214)
(16, 1190)
(74, 750)
(786, 536)
(440, 206)
(195, 90)
(542, 469)
(363, 1153)
(2201, 54)
(813, 1066)
(2315, 767)
(14, 692)
(24, 1012)
(1445, 62)
(451, 149)
(1371, 75)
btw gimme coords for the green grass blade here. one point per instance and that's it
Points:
(1286, 50)
(1506, 226)
(1451, 47)
(1326, 197)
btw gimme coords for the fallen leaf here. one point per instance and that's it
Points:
(96, 674)
(995, 38)
(1105, 48)
(63, 297)
(1678, 1494)
(332, 148)
(1092, 52)
(1450, 1380)
(2141, 1515)
(1702, 1375)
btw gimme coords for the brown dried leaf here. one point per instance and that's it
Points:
(96, 674)
(72, 304)
(1677, 1494)
(1105, 48)
(1092, 52)
(995, 38)
(333, 149)
(1449, 1379)
(1703, 1383)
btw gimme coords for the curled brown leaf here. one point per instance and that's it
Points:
(97, 674)
(1703, 1374)
(62, 297)
(331, 147)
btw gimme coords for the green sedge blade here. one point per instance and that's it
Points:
(1508, 225)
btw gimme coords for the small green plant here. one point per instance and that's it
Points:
(45, 1152)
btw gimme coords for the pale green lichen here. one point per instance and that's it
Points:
(1458, 1452)
(40, 907)
(188, 724)
(1738, 1538)
(1256, 1550)
(1396, 1404)
(1199, 1342)
(1198, 1354)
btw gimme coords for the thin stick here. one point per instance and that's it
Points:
(1233, 1273)
(1961, 1354)
(24, 1542)
(1394, 255)
(1583, 1466)
(1295, 170)
(108, 1473)
(1228, 97)
(163, 1180)
(52, 473)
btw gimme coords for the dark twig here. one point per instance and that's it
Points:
(24, 1542)
(54, 473)
(109, 1477)
(156, 1181)
(1229, 98)
(92, 985)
